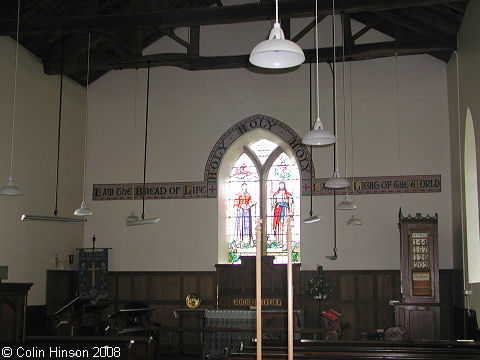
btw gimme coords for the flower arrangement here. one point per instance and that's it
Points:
(318, 287)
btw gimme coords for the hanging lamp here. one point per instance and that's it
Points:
(10, 188)
(318, 135)
(337, 181)
(132, 217)
(133, 221)
(55, 218)
(346, 204)
(312, 218)
(354, 220)
(277, 52)
(83, 210)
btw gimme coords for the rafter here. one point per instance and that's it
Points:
(203, 16)
(185, 61)
(371, 25)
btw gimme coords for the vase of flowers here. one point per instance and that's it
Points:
(318, 286)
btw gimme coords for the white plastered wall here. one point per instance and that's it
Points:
(469, 90)
(189, 111)
(29, 249)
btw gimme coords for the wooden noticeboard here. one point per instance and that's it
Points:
(419, 258)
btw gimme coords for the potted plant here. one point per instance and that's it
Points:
(318, 286)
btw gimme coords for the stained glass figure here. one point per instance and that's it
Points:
(263, 148)
(283, 189)
(243, 192)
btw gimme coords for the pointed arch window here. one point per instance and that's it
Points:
(264, 182)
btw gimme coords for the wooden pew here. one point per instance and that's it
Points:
(343, 350)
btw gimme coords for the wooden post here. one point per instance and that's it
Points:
(258, 231)
(290, 289)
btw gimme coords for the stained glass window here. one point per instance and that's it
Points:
(243, 201)
(281, 199)
(283, 192)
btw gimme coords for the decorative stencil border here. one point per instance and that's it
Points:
(153, 191)
(201, 190)
(379, 185)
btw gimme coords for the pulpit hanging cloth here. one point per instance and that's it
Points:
(93, 273)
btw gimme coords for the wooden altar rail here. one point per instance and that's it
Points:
(342, 350)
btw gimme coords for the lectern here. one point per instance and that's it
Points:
(419, 311)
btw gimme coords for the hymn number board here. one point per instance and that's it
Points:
(420, 260)
(419, 257)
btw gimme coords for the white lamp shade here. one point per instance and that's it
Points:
(10, 189)
(312, 219)
(318, 136)
(354, 220)
(337, 182)
(347, 204)
(83, 210)
(131, 217)
(277, 52)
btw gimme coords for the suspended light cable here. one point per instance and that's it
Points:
(354, 220)
(144, 221)
(336, 182)
(83, 210)
(10, 188)
(346, 204)
(318, 136)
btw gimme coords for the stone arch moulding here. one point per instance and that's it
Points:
(251, 123)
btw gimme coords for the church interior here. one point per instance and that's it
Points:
(168, 190)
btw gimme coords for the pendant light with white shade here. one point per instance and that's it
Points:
(337, 181)
(354, 220)
(346, 204)
(318, 135)
(83, 210)
(10, 188)
(277, 52)
(312, 218)
(143, 221)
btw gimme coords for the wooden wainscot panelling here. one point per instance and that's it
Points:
(365, 287)
(140, 288)
(207, 288)
(361, 296)
(124, 287)
(347, 287)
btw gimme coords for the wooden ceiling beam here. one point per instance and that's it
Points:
(184, 61)
(371, 25)
(440, 23)
(408, 23)
(203, 16)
